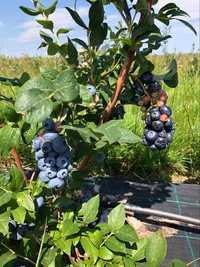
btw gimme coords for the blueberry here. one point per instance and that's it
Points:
(49, 124)
(42, 165)
(118, 112)
(49, 137)
(43, 176)
(91, 90)
(36, 144)
(148, 120)
(56, 183)
(59, 145)
(47, 147)
(151, 136)
(136, 100)
(62, 173)
(153, 147)
(52, 155)
(70, 168)
(39, 202)
(100, 157)
(155, 114)
(49, 161)
(163, 134)
(138, 88)
(169, 137)
(62, 162)
(166, 110)
(169, 125)
(157, 126)
(147, 77)
(12, 225)
(39, 155)
(17, 236)
(145, 142)
(51, 173)
(22, 229)
(31, 225)
(161, 143)
(154, 87)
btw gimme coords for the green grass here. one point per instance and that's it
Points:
(183, 156)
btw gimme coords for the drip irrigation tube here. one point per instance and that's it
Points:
(163, 214)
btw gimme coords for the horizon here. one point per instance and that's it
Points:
(19, 33)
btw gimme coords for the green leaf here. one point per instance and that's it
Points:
(115, 245)
(187, 24)
(114, 132)
(5, 197)
(128, 262)
(177, 263)
(116, 218)
(96, 236)
(30, 11)
(96, 14)
(69, 228)
(156, 249)
(4, 219)
(66, 86)
(80, 42)
(77, 18)
(139, 253)
(49, 73)
(46, 37)
(98, 34)
(49, 256)
(105, 253)
(16, 179)
(89, 248)
(127, 234)
(47, 24)
(89, 210)
(50, 10)
(72, 53)
(171, 77)
(6, 258)
(62, 31)
(19, 215)
(24, 200)
(64, 245)
(10, 137)
(53, 49)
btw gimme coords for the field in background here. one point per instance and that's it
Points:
(183, 157)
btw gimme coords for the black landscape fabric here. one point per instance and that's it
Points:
(182, 199)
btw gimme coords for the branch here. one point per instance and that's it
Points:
(18, 163)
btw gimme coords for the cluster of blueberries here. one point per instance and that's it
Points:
(52, 154)
(159, 130)
(18, 231)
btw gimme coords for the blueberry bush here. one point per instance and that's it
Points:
(65, 118)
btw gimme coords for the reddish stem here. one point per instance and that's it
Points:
(18, 162)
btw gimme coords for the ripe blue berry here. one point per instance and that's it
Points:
(155, 114)
(42, 165)
(154, 87)
(153, 147)
(49, 124)
(51, 173)
(39, 155)
(163, 134)
(151, 136)
(169, 137)
(166, 110)
(59, 145)
(148, 120)
(56, 183)
(46, 147)
(169, 125)
(91, 90)
(49, 161)
(62, 173)
(147, 77)
(49, 137)
(39, 202)
(12, 225)
(157, 126)
(62, 162)
(43, 176)
(36, 144)
(161, 143)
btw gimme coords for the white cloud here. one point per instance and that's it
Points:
(61, 18)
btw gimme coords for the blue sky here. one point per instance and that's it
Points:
(19, 32)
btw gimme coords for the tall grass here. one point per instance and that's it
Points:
(183, 156)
